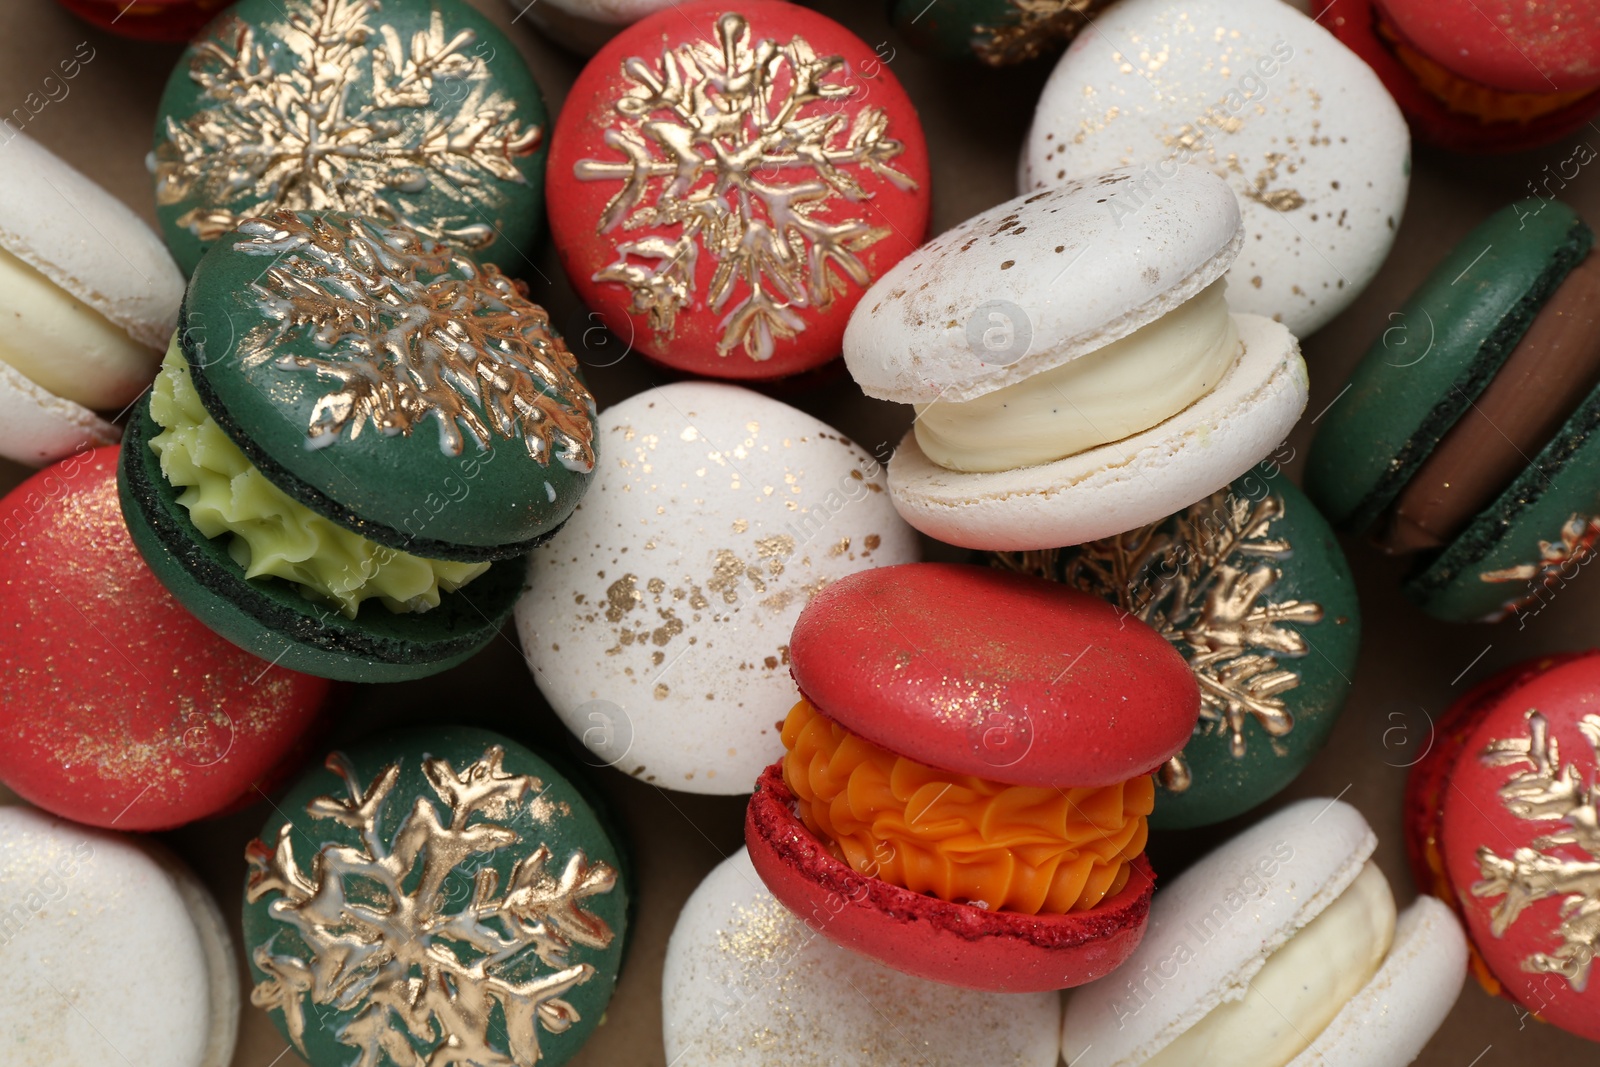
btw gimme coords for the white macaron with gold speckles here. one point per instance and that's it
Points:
(1074, 364)
(748, 984)
(1258, 93)
(657, 620)
(88, 300)
(1282, 948)
(114, 952)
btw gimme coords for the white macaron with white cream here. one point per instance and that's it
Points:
(1074, 365)
(115, 953)
(1282, 948)
(88, 298)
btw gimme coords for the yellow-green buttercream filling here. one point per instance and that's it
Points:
(271, 533)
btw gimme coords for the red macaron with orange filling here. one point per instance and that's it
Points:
(967, 775)
(1480, 75)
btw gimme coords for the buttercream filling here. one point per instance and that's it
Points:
(1474, 99)
(1300, 988)
(270, 534)
(63, 345)
(957, 837)
(1116, 391)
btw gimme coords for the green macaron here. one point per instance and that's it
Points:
(355, 435)
(996, 33)
(437, 896)
(1251, 586)
(412, 111)
(1465, 438)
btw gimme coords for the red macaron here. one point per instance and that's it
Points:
(967, 780)
(147, 20)
(1480, 75)
(120, 708)
(1502, 824)
(725, 182)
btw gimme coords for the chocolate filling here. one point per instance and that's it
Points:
(1546, 377)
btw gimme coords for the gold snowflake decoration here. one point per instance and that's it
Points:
(1543, 790)
(1032, 28)
(1186, 584)
(321, 111)
(408, 330)
(710, 138)
(1558, 562)
(415, 982)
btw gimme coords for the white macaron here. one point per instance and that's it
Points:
(1280, 949)
(1256, 92)
(1074, 364)
(88, 301)
(657, 620)
(114, 952)
(584, 25)
(747, 984)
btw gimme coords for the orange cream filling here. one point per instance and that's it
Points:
(958, 837)
(1468, 97)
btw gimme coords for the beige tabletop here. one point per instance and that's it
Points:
(1410, 668)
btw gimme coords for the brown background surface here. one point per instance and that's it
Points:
(1410, 669)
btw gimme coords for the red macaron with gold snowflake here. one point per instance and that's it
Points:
(727, 180)
(965, 791)
(147, 20)
(1503, 824)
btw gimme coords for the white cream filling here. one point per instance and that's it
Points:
(1300, 988)
(65, 346)
(1128, 386)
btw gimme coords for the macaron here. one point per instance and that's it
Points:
(1480, 75)
(967, 775)
(89, 297)
(120, 709)
(1264, 97)
(727, 181)
(746, 984)
(147, 20)
(1500, 823)
(1250, 585)
(353, 423)
(1282, 948)
(657, 622)
(419, 113)
(584, 25)
(1074, 365)
(115, 953)
(1465, 435)
(438, 896)
(996, 33)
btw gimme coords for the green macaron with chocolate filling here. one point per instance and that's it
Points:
(355, 435)
(1250, 586)
(1466, 437)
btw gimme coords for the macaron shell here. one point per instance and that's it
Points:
(1522, 552)
(1002, 676)
(108, 935)
(157, 722)
(38, 428)
(1123, 485)
(149, 20)
(1397, 1013)
(1075, 267)
(87, 242)
(958, 944)
(1518, 842)
(657, 622)
(1212, 928)
(1257, 93)
(1506, 44)
(796, 990)
(1442, 349)
(685, 299)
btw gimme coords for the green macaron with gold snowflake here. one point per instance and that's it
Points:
(355, 435)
